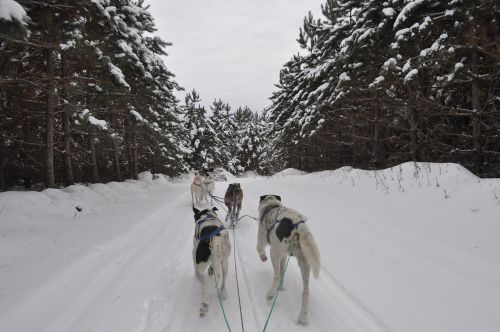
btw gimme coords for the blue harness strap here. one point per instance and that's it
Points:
(297, 224)
(211, 235)
(206, 236)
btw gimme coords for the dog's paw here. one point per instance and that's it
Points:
(203, 310)
(210, 271)
(263, 257)
(303, 319)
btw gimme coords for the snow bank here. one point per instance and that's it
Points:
(11, 11)
(42, 232)
(289, 172)
(416, 238)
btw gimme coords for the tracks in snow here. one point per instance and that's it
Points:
(332, 307)
(143, 281)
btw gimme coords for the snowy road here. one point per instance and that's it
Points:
(397, 255)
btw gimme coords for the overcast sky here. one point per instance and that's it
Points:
(230, 49)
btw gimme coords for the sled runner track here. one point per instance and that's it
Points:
(252, 300)
(155, 228)
(350, 308)
(102, 279)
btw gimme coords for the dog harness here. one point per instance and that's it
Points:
(205, 237)
(276, 221)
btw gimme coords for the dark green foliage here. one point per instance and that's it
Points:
(384, 82)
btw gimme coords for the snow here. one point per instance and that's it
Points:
(98, 123)
(68, 45)
(389, 63)
(389, 12)
(11, 11)
(137, 116)
(344, 77)
(86, 114)
(377, 81)
(411, 248)
(407, 66)
(407, 9)
(411, 75)
(118, 75)
(289, 172)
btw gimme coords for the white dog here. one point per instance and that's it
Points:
(197, 189)
(210, 245)
(279, 226)
(208, 188)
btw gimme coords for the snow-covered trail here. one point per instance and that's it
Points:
(399, 253)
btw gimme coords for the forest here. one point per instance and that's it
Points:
(86, 94)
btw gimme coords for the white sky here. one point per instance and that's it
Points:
(230, 49)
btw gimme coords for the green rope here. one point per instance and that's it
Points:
(217, 287)
(281, 284)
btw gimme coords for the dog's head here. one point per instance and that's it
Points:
(200, 213)
(269, 197)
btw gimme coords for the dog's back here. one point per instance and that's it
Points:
(233, 189)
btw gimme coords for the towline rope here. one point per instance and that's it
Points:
(233, 223)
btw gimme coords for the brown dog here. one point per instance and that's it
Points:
(233, 193)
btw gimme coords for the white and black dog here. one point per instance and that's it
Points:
(278, 227)
(210, 245)
(197, 189)
(208, 188)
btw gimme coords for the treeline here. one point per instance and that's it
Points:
(236, 141)
(85, 95)
(383, 82)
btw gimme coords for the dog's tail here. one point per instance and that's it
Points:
(309, 248)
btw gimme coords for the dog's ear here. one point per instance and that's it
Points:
(195, 210)
(278, 197)
(215, 209)
(263, 197)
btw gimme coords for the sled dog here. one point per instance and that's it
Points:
(210, 245)
(279, 227)
(235, 193)
(208, 188)
(197, 189)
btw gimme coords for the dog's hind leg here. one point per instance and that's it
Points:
(204, 288)
(239, 209)
(261, 241)
(224, 276)
(282, 270)
(305, 270)
(275, 259)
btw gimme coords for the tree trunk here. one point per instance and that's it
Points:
(413, 124)
(3, 165)
(376, 136)
(354, 140)
(476, 114)
(68, 167)
(93, 159)
(134, 149)
(116, 152)
(49, 129)
(128, 147)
